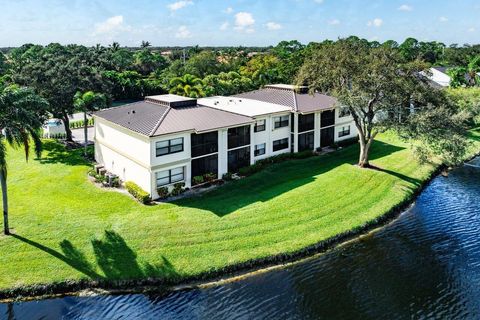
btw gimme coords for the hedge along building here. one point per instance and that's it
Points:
(167, 139)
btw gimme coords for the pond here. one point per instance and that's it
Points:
(426, 264)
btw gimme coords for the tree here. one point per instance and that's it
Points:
(57, 72)
(146, 61)
(457, 77)
(188, 86)
(202, 64)
(409, 49)
(145, 44)
(87, 102)
(262, 69)
(22, 113)
(473, 70)
(378, 88)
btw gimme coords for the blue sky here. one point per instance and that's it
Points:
(236, 22)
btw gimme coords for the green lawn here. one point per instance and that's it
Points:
(66, 228)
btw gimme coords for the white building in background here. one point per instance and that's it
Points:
(167, 139)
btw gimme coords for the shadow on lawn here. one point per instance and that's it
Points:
(54, 152)
(113, 257)
(283, 177)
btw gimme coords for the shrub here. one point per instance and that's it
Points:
(247, 171)
(347, 142)
(99, 178)
(91, 172)
(163, 192)
(302, 155)
(198, 179)
(227, 176)
(115, 182)
(135, 190)
(209, 177)
(178, 189)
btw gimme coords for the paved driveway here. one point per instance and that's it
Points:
(79, 137)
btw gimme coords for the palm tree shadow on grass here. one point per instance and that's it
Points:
(113, 257)
(118, 261)
(280, 178)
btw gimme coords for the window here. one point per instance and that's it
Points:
(344, 112)
(201, 166)
(239, 136)
(260, 149)
(327, 118)
(238, 158)
(205, 143)
(169, 146)
(259, 126)
(279, 122)
(280, 144)
(169, 176)
(305, 141)
(345, 131)
(306, 122)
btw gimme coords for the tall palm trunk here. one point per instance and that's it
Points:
(3, 182)
(85, 132)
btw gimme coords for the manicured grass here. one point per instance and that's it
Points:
(66, 228)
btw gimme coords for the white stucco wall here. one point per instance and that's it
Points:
(174, 157)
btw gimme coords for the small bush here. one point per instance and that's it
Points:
(198, 179)
(91, 172)
(115, 182)
(347, 142)
(163, 192)
(302, 155)
(209, 177)
(99, 178)
(178, 189)
(227, 176)
(135, 190)
(254, 168)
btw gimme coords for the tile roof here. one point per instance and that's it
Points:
(298, 102)
(152, 119)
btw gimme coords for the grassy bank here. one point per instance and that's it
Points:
(65, 228)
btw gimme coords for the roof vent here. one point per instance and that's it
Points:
(133, 111)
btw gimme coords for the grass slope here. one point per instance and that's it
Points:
(67, 229)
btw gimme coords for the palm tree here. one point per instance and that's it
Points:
(473, 70)
(22, 113)
(87, 102)
(187, 86)
(145, 44)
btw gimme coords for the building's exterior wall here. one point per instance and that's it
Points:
(123, 140)
(132, 156)
(174, 157)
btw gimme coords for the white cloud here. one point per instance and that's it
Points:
(273, 26)
(405, 7)
(244, 22)
(472, 29)
(334, 22)
(179, 4)
(224, 26)
(183, 33)
(111, 25)
(228, 10)
(443, 19)
(377, 22)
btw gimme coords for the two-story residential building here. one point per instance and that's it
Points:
(167, 139)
